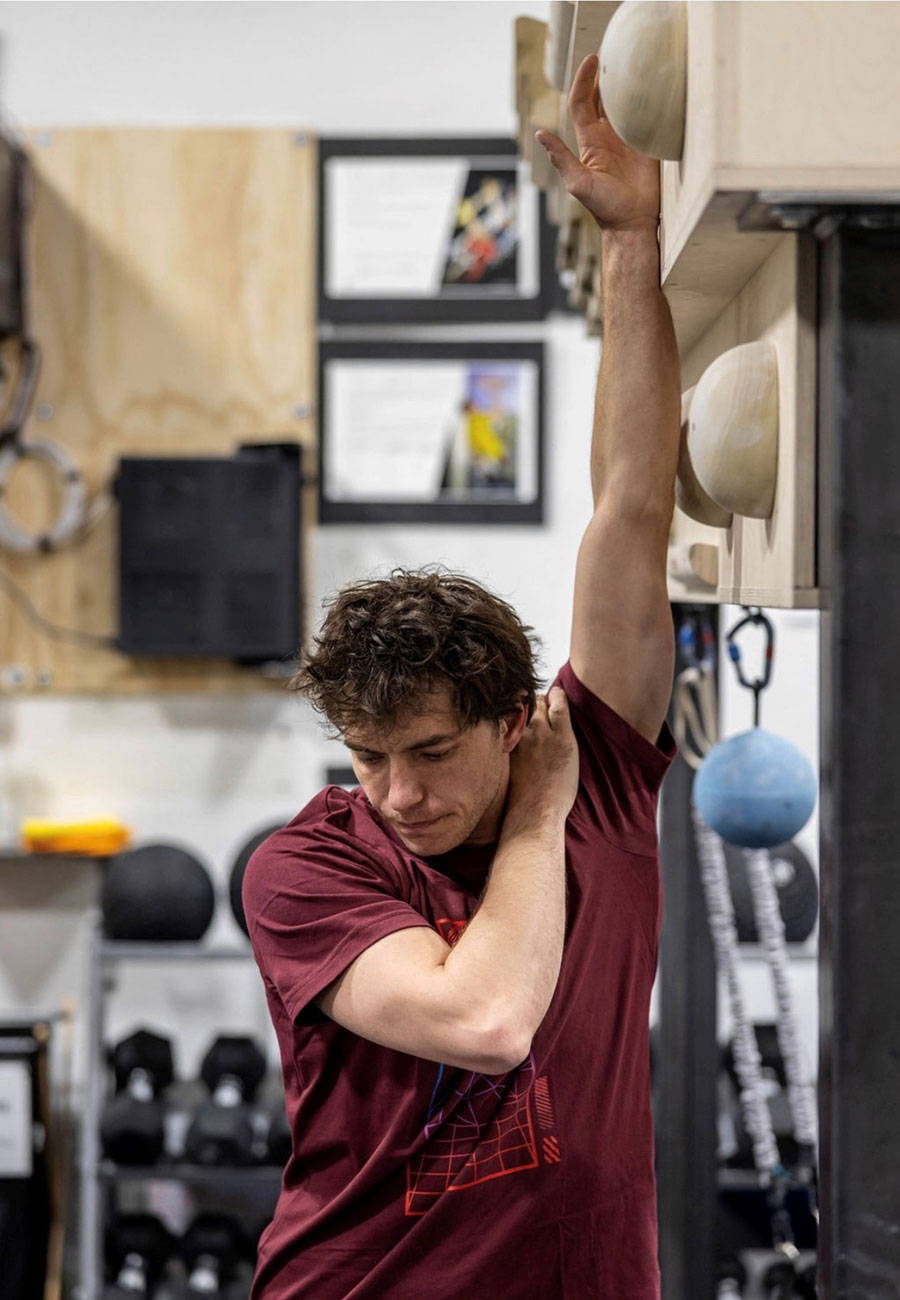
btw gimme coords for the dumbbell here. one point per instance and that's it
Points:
(132, 1128)
(222, 1131)
(732, 1277)
(137, 1247)
(780, 1281)
(211, 1249)
(806, 1282)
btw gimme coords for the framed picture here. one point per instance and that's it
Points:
(439, 230)
(344, 776)
(431, 432)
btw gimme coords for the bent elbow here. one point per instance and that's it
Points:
(503, 1051)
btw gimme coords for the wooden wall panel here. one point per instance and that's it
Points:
(784, 98)
(814, 92)
(771, 561)
(173, 297)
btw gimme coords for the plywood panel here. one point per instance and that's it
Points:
(686, 581)
(810, 85)
(589, 24)
(173, 280)
(787, 97)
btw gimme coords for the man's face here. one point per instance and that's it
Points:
(437, 784)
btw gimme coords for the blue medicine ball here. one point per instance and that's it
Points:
(755, 789)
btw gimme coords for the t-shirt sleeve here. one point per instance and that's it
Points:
(621, 771)
(315, 899)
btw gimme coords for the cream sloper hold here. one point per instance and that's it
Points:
(643, 75)
(732, 433)
(689, 494)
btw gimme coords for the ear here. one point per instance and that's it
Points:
(511, 728)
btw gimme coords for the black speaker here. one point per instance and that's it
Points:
(14, 181)
(209, 554)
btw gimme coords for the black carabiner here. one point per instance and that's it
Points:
(755, 616)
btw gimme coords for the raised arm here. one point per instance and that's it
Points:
(622, 644)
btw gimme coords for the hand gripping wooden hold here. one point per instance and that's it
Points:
(643, 75)
(732, 436)
(689, 495)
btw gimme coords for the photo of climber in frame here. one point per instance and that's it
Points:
(484, 246)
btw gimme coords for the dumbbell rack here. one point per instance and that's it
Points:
(96, 1175)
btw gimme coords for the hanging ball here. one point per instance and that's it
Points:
(755, 789)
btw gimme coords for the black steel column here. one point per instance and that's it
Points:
(688, 1060)
(859, 970)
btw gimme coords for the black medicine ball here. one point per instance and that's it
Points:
(158, 893)
(240, 866)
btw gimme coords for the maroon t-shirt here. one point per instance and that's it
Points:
(410, 1179)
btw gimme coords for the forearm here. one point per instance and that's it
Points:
(507, 961)
(637, 412)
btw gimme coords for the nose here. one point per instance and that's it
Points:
(406, 791)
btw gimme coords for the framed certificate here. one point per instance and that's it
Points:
(439, 230)
(431, 432)
(344, 776)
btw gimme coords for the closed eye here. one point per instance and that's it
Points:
(436, 758)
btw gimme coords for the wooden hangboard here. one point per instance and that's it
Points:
(770, 561)
(787, 98)
(173, 298)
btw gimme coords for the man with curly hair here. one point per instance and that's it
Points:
(458, 954)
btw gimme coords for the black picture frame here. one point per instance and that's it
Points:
(461, 303)
(486, 505)
(343, 775)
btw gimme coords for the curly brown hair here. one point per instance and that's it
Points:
(387, 642)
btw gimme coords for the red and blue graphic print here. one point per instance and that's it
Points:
(480, 1126)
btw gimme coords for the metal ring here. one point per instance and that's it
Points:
(71, 516)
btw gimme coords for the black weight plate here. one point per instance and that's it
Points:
(240, 866)
(795, 881)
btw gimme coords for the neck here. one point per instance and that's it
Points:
(487, 830)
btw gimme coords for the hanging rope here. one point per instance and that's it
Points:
(769, 921)
(75, 515)
(747, 1060)
(695, 724)
(770, 927)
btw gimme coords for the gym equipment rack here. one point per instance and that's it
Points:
(98, 1178)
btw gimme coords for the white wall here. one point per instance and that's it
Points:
(208, 772)
(331, 65)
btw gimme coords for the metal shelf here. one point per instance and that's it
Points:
(198, 1175)
(100, 1178)
(110, 951)
(13, 853)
